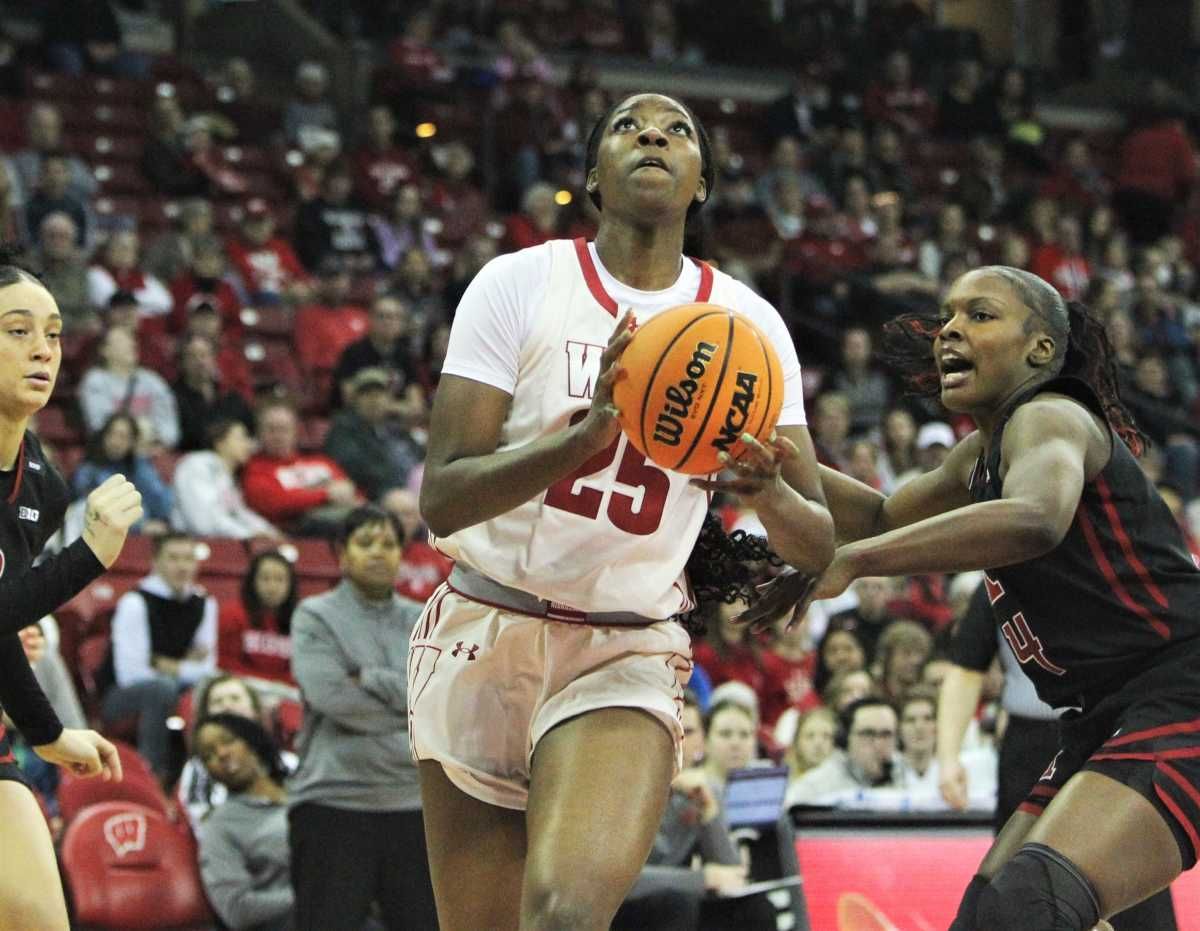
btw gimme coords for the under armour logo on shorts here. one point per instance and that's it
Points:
(470, 651)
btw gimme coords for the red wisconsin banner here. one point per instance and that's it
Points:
(912, 881)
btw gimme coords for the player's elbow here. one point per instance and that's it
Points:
(436, 509)
(1040, 532)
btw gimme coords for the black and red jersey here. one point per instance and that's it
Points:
(35, 497)
(1119, 590)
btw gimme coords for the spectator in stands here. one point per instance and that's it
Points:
(415, 282)
(831, 428)
(870, 616)
(1160, 409)
(164, 641)
(965, 109)
(406, 227)
(839, 650)
(795, 662)
(1156, 166)
(223, 179)
(207, 499)
(539, 221)
(787, 163)
(888, 168)
(203, 281)
(376, 452)
(847, 687)
(85, 36)
(731, 730)
(327, 326)
(59, 263)
(812, 744)
(354, 808)
(242, 845)
(729, 653)
(1061, 260)
(171, 253)
(949, 238)
(309, 108)
(457, 195)
(113, 449)
(120, 269)
(201, 395)
(381, 167)
(899, 452)
(13, 227)
(386, 345)
(320, 152)
(307, 493)
(232, 365)
(740, 231)
(333, 228)
(982, 187)
(52, 196)
(867, 389)
(165, 159)
(44, 134)
(269, 271)
(866, 759)
(934, 442)
(255, 636)
(118, 383)
(902, 651)
(238, 101)
(423, 568)
(898, 99)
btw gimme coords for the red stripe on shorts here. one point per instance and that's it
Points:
(1048, 791)
(1176, 777)
(1188, 828)
(1031, 808)
(1093, 542)
(1184, 727)
(1183, 753)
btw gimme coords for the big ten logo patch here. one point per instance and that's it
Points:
(583, 368)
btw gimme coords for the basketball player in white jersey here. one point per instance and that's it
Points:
(546, 676)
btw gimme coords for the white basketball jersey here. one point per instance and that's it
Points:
(616, 534)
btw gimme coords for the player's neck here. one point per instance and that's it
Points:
(11, 434)
(645, 259)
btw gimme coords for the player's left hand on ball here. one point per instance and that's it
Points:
(756, 472)
(84, 753)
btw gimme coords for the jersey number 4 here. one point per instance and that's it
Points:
(1026, 645)
(635, 471)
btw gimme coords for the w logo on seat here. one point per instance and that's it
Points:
(470, 651)
(126, 832)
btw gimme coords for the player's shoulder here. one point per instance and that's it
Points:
(529, 264)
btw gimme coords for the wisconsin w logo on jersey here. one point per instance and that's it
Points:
(583, 368)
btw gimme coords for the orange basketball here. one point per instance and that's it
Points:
(697, 378)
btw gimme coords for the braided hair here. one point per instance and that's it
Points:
(1081, 348)
(724, 568)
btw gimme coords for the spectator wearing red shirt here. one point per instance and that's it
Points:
(306, 493)
(414, 62)
(538, 221)
(203, 282)
(254, 630)
(898, 100)
(1156, 168)
(380, 166)
(458, 199)
(728, 654)
(1062, 262)
(1076, 182)
(326, 327)
(267, 266)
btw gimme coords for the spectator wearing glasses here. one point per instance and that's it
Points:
(866, 759)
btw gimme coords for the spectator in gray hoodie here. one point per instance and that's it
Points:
(120, 384)
(354, 804)
(243, 843)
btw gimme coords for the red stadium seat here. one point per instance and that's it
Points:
(56, 424)
(129, 868)
(140, 788)
(314, 558)
(307, 586)
(136, 556)
(288, 719)
(268, 323)
(223, 557)
(120, 178)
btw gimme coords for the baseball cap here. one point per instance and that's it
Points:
(372, 377)
(935, 433)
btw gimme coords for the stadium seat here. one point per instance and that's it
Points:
(136, 556)
(314, 559)
(288, 718)
(128, 868)
(268, 323)
(141, 788)
(57, 425)
(120, 178)
(224, 557)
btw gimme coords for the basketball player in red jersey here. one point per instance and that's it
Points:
(1090, 580)
(546, 675)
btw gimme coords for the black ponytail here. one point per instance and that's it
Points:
(907, 349)
(1089, 357)
(724, 568)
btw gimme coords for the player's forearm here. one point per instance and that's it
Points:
(800, 532)
(474, 489)
(980, 536)
(957, 701)
(856, 508)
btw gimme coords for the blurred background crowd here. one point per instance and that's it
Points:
(259, 250)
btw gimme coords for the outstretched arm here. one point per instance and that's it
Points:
(1045, 448)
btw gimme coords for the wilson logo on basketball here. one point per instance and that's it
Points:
(680, 396)
(738, 413)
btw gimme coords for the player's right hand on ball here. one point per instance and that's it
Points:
(108, 514)
(600, 425)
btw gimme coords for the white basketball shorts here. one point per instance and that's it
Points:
(485, 684)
